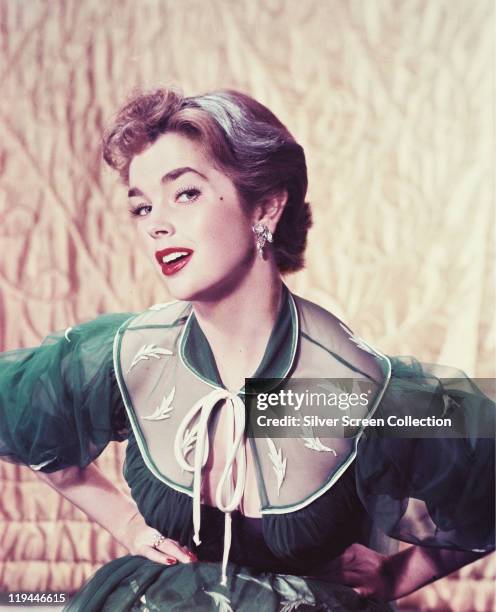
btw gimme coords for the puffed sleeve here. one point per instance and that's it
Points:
(431, 482)
(59, 403)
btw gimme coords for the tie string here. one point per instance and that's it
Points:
(228, 486)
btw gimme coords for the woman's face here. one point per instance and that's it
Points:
(190, 219)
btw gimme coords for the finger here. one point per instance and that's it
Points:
(173, 549)
(337, 564)
(159, 557)
(189, 552)
(364, 591)
(337, 573)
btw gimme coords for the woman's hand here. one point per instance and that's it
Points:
(139, 537)
(371, 574)
(363, 569)
(91, 491)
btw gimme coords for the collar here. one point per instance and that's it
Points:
(277, 360)
(197, 356)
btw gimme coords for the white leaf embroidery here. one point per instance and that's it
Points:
(189, 439)
(296, 592)
(449, 404)
(252, 579)
(38, 466)
(163, 411)
(290, 606)
(358, 341)
(278, 463)
(316, 445)
(66, 334)
(148, 351)
(134, 586)
(221, 601)
(146, 606)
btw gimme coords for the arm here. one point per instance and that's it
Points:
(391, 577)
(417, 566)
(101, 500)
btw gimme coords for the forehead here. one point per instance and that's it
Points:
(168, 152)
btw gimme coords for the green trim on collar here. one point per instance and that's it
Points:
(133, 419)
(277, 360)
(335, 355)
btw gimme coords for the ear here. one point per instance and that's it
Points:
(270, 210)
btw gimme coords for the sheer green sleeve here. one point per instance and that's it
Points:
(425, 483)
(59, 403)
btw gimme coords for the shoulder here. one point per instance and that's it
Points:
(173, 313)
(102, 327)
(108, 324)
(321, 324)
(312, 313)
(325, 330)
(155, 331)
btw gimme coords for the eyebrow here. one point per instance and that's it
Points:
(172, 175)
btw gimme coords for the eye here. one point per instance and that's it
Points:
(140, 210)
(185, 196)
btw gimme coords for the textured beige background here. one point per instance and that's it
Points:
(392, 101)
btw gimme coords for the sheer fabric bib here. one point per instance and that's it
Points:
(179, 409)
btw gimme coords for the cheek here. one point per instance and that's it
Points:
(231, 236)
(226, 225)
(143, 238)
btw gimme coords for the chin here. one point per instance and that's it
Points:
(181, 294)
(185, 291)
(215, 291)
(198, 288)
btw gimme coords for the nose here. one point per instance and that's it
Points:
(164, 229)
(157, 228)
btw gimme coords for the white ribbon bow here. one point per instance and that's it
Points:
(227, 489)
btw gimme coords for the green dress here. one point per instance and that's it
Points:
(148, 378)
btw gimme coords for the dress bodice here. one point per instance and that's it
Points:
(180, 411)
(291, 542)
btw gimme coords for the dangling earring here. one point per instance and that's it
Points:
(263, 235)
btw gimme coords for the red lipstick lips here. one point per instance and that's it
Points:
(173, 259)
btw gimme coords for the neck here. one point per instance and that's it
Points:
(238, 324)
(253, 303)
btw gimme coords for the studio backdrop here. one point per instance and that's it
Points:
(391, 100)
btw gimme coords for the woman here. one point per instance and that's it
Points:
(221, 520)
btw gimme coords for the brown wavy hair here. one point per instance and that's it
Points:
(246, 142)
